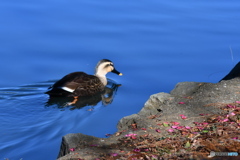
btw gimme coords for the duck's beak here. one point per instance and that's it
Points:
(118, 73)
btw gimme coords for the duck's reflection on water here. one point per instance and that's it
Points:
(106, 97)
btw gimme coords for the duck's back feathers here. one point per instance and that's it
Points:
(77, 84)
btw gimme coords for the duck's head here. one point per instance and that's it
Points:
(104, 66)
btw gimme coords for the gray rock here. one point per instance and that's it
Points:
(185, 88)
(154, 104)
(187, 98)
(73, 140)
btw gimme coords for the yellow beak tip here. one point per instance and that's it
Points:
(120, 74)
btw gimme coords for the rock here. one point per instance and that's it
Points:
(187, 98)
(154, 103)
(185, 88)
(73, 140)
(126, 122)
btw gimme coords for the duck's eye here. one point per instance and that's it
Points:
(110, 64)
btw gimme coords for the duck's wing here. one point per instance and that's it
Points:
(71, 77)
(88, 85)
(79, 84)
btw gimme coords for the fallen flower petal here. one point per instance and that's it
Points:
(230, 106)
(158, 130)
(170, 130)
(180, 127)
(232, 114)
(187, 127)
(174, 126)
(114, 154)
(175, 123)
(154, 157)
(181, 102)
(225, 120)
(143, 129)
(130, 134)
(183, 116)
(72, 149)
(237, 101)
(204, 123)
(136, 150)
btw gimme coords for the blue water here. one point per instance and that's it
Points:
(155, 44)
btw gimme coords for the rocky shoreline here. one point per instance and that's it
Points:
(187, 103)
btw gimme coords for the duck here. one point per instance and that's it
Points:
(79, 84)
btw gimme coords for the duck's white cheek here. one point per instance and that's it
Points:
(68, 89)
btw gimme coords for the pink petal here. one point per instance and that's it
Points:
(184, 117)
(205, 123)
(154, 156)
(72, 149)
(170, 130)
(181, 102)
(158, 130)
(143, 129)
(225, 120)
(232, 114)
(130, 135)
(114, 154)
(174, 126)
(137, 150)
(180, 127)
(175, 123)
(237, 101)
(187, 127)
(230, 106)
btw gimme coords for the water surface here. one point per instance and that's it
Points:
(155, 44)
